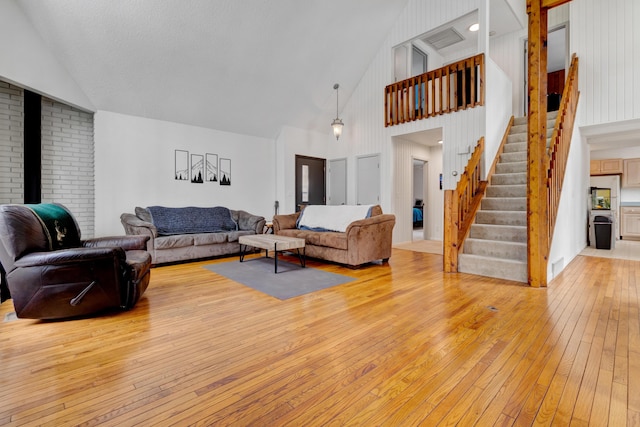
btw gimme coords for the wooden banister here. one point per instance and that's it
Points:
(461, 206)
(560, 143)
(456, 86)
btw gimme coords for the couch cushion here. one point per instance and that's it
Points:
(177, 241)
(209, 238)
(232, 236)
(328, 239)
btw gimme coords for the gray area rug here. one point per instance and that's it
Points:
(291, 281)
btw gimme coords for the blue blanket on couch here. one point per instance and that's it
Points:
(191, 219)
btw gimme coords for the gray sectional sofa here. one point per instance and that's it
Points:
(190, 233)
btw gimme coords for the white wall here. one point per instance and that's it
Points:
(134, 166)
(30, 65)
(606, 37)
(498, 89)
(570, 233)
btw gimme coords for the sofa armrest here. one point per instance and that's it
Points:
(259, 228)
(374, 221)
(249, 222)
(371, 238)
(284, 222)
(127, 243)
(135, 226)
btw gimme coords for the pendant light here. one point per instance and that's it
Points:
(337, 123)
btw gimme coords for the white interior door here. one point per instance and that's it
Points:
(338, 182)
(400, 71)
(368, 180)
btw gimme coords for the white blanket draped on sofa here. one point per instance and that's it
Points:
(332, 218)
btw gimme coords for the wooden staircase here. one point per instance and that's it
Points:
(497, 242)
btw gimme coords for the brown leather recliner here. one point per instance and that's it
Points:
(51, 273)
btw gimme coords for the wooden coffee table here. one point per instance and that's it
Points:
(272, 242)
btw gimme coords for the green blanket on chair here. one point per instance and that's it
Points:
(58, 224)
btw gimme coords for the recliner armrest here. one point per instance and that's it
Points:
(128, 243)
(70, 256)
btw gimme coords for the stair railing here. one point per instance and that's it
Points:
(454, 87)
(560, 144)
(460, 207)
(496, 159)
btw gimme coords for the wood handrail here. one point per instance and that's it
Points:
(496, 159)
(560, 144)
(461, 206)
(454, 87)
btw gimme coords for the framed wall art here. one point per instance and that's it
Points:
(211, 168)
(181, 165)
(225, 171)
(197, 168)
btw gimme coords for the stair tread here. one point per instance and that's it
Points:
(500, 225)
(501, 242)
(506, 260)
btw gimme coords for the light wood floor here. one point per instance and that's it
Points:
(402, 345)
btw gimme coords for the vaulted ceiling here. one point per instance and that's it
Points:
(243, 66)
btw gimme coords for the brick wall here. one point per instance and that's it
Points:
(67, 161)
(11, 137)
(67, 155)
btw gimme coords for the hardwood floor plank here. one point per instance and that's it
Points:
(521, 359)
(402, 344)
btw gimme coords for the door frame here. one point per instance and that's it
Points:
(298, 202)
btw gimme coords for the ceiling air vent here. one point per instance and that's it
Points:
(443, 38)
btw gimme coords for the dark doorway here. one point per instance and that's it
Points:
(32, 147)
(310, 181)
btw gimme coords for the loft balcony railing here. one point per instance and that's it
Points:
(457, 86)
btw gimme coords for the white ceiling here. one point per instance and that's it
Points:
(243, 66)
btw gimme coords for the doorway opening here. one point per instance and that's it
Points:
(417, 165)
(420, 188)
(558, 61)
(310, 181)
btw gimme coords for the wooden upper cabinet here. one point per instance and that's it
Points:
(631, 175)
(606, 167)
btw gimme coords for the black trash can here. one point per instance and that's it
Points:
(602, 226)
